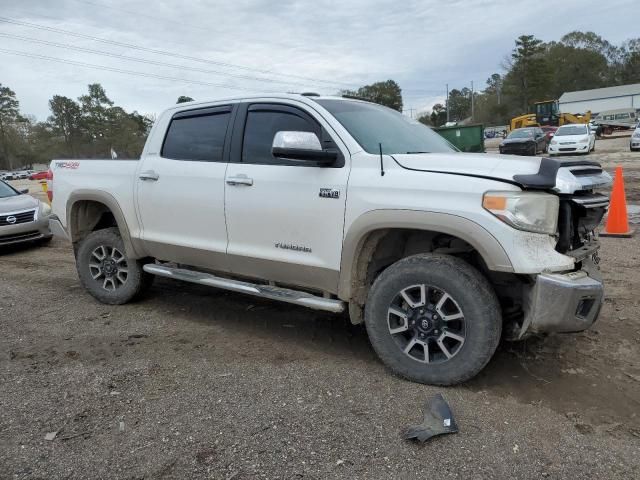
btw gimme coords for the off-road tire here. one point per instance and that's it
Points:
(475, 297)
(137, 280)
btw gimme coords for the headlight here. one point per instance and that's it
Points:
(554, 142)
(45, 209)
(584, 140)
(636, 135)
(531, 211)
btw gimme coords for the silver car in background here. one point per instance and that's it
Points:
(22, 217)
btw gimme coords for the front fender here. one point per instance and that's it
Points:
(471, 232)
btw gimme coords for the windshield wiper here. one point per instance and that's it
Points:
(411, 153)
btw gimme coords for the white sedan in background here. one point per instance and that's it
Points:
(572, 139)
(634, 143)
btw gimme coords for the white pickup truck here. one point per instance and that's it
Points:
(344, 206)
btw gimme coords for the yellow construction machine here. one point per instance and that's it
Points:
(548, 113)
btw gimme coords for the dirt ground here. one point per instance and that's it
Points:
(192, 382)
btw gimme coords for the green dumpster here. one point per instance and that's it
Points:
(467, 138)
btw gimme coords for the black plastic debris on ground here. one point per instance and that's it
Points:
(438, 420)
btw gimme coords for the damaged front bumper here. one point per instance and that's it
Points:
(562, 302)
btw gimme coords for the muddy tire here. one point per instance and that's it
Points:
(433, 319)
(106, 272)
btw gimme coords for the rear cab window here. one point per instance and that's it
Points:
(197, 135)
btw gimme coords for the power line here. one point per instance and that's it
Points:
(152, 17)
(151, 62)
(128, 72)
(164, 52)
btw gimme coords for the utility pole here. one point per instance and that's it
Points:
(472, 100)
(447, 103)
(410, 110)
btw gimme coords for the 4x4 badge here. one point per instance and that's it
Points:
(329, 193)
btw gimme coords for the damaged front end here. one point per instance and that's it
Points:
(568, 301)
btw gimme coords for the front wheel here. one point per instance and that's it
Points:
(106, 271)
(433, 319)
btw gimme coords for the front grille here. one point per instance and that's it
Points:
(578, 218)
(567, 149)
(22, 217)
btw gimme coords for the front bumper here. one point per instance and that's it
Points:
(25, 232)
(634, 143)
(568, 149)
(516, 149)
(563, 302)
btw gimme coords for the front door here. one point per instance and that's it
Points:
(285, 218)
(181, 190)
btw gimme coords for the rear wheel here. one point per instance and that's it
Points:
(433, 319)
(106, 271)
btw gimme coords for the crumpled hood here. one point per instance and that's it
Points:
(493, 166)
(17, 203)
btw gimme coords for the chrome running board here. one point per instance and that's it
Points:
(265, 291)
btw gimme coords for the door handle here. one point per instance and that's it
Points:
(149, 175)
(240, 180)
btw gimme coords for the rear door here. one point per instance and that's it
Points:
(181, 189)
(285, 218)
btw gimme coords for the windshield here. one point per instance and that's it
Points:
(6, 190)
(521, 133)
(571, 130)
(371, 124)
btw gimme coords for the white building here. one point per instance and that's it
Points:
(601, 99)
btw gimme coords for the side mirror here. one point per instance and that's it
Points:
(302, 146)
(24, 191)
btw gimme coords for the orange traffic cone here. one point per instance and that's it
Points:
(617, 222)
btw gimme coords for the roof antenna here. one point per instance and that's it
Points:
(381, 164)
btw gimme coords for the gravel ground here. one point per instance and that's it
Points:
(192, 382)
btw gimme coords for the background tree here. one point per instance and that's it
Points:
(9, 115)
(66, 121)
(527, 80)
(184, 98)
(459, 104)
(438, 115)
(574, 68)
(386, 93)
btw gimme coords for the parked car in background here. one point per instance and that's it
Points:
(572, 139)
(22, 217)
(525, 141)
(7, 176)
(38, 176)
(634, 143)
(549, 131)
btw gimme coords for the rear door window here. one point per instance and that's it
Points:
(197, 135)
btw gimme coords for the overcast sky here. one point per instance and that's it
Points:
(318, 45)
